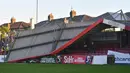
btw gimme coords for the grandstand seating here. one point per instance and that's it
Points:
(99, 51)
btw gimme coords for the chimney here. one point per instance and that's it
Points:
(50, 17)
(9, 26)
(66, 21)
(13, 20)
(72, 13)
(32, 23)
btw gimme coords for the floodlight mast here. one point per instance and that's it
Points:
(37, 11)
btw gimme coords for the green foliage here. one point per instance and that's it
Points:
(4, 31)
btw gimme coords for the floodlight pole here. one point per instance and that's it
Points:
(36, 11)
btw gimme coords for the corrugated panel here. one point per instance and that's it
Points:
(38, 30)
(71, 33)
(43, 38)
(77, 24)
(45, 29)
(40, 50)
(18, 54)
(22, 42)
(37, 39)
(61, 43)
(30, 52)
(26, 32)
(53, 27)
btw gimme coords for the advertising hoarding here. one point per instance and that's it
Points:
(48, 60)
(120, 58)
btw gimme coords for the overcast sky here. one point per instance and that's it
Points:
(22, 10)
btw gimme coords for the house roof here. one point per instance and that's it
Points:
(78, 18)
(18, 25)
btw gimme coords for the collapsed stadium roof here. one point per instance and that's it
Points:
(54, 36)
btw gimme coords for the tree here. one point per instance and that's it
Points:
(4, 32)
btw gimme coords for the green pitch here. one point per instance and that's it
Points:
(63, 68)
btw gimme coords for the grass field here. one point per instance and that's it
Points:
(63, 68)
